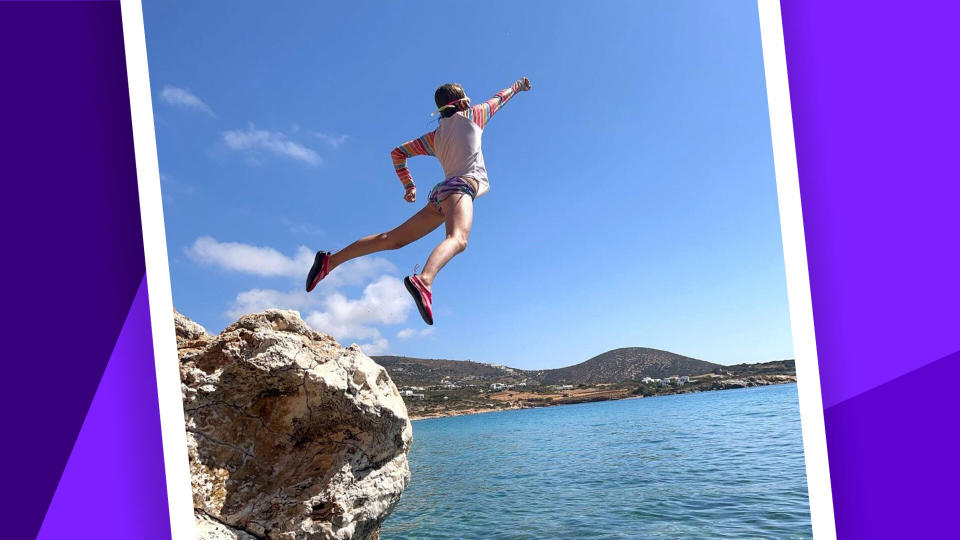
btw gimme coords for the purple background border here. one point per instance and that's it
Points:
(875, 113)
(873, 88)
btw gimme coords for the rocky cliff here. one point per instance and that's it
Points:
(290, 435)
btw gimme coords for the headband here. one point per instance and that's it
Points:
(467, 99)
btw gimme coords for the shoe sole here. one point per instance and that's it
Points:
(415, 293)
(314, 273)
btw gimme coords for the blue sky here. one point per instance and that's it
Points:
(632, 202)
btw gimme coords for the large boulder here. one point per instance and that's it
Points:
(289, 434)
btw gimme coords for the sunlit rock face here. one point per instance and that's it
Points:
(289, 434)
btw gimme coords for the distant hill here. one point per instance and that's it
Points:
(766, 368)
(627, 364)
(618, 365)
(406, 371)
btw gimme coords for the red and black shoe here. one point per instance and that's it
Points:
(319, 270)
(421, 295)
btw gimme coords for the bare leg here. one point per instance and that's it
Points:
(413, 229)
(458, 209)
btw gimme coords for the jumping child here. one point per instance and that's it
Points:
(456, 143)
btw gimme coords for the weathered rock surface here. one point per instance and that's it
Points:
(186, 329)
(210, 529)
(290, 435)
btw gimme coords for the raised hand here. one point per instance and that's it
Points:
(411, 194)
(524, 84)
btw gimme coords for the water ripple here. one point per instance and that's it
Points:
(710, 465)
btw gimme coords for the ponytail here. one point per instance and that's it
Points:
(450, 98)
(451, 108)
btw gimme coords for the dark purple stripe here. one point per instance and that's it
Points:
(893, 455)
(72, 239)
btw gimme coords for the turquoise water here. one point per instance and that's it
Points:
(706, 465)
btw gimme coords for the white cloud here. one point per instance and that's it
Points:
(256, 300)
(334, 141)
(255, 141)
(408, 333)
(267, 262)
(359, 271)
(261, 261)
(343, 318)
(385, 301)
(378, 346)
(184, 98)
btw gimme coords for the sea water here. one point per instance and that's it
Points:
(703, 465)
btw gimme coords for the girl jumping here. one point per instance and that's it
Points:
(456, 143)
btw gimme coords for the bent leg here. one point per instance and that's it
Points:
(413, 229)
(458, 209)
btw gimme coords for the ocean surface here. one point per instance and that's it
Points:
(704, 465)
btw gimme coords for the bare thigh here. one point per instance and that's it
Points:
(419, 225)
(458, 215)
(411, 230)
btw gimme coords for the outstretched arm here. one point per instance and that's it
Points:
(482, 113)
(422, 146)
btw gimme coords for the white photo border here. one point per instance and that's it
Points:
(177, 472)
(798, 278)
(172, 427)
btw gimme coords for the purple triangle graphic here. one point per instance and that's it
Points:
(893, 453)
(113, 485)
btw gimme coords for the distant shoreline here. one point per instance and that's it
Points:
(437, 388)
(467, 412)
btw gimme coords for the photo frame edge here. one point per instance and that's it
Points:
(176, 467)
(166, 364)
(819, 490)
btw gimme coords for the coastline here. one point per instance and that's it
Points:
(473, 411)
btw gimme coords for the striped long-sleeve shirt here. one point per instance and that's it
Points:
(456, 143)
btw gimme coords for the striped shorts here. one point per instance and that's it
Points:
(454, 184)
